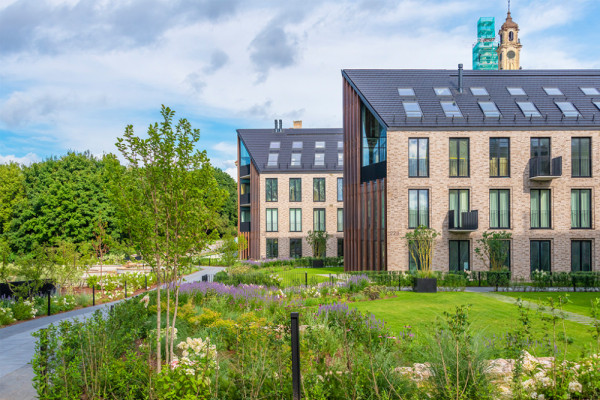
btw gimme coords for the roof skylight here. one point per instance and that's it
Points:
(553, 91)
(412, 109)
(296, 157)
(273, 157)
(340, 159)
(590, 91)
(274, 145)
(406, 92)
(568, 109)
(516, 91)
(479, 91)
(529, 109)
(320, 159)
(489, 109)
(296, 145)
(451, 109)
(319, 145)
(340, 144)
(442, 91)
(597, 103)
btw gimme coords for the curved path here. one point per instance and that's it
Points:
(17, 346)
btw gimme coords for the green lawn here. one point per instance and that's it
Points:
(296, 276)
(491, 317)
(579, 303)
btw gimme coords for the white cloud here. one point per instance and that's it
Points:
(25, 160)
(226, 147)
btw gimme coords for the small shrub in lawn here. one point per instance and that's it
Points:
(24, 309)
(6, 316)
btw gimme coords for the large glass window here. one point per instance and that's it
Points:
(499, 209)
(295, 220)
(459, 255)
(459, 203)
(581, 162)
(540, 255)
(540, 208)
(504, 254)
(272, 220)
(540, 149)
(340, 219)
(418, 208)
(271, 186)
(319, 219)
(295, 189)
(340, 189)
(581, 255)
(581, 208)
(244, 214)
(340, 247)
(499, 157)
(272, 248)
(374, 138)
(418, 157)
(295, 248)
(459, 158)
(414, 264)
(244, 155)
(318, 189)
(244, 186)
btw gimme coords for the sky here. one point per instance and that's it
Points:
(75, 73)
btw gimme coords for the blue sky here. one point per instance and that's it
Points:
(74, 73)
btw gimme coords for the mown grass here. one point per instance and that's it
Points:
(490, 317)
(579, 302)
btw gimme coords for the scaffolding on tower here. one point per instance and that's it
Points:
(485, 56)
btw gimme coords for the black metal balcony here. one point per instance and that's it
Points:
(245, 199)
(244, 226)
(545, 169)
(469, 221)
(244, 170)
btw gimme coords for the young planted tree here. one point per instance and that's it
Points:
(318, 241)
(168, 201)
(492, 249)
(420, 245)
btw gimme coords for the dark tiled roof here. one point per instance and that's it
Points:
(379, 89)
(257, 142)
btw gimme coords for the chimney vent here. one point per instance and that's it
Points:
(280, 126)
(460, 78)
(275, 126)
(297, 124)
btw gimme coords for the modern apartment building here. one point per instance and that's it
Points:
(466, 152)
(289, 183)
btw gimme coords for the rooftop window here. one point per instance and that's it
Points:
(319, 145)
(479, 91)
(590, 91)
(412, 109)
(406, 92)
(273, 157)
(489, 109)
(340, 159)
(296, 145)
(568, 109)
(451, 109)
(597, 103)
(516, 91)
(296, 157)
(319, 159)
(274, 145)
(340, 144)
(442, 91)
(553, 91)
(529, 109)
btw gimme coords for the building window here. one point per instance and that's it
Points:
(340, 219)
(271, 186)
(340, 247)
(244, 214)
(296, 160)
(272, 248)
(340, 159)
(504, 254)
(319, 219)
(581, 255)
(320, 159)
(540, 255)
(295, 220)
(340, 189)
(540, 149)
(418, 157)
(272, 161)
(295, 189)
(540, 208)
(374, 135)
(500, 157)
(414, 264)
(459, 158)
(459, 255)
(459, 203)
(318, 189)
(499, 209)
(295, 248)
(272, 217)
(418, 208)
(581, 162)
(581, 208)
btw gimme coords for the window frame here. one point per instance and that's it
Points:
(299, 187)
(340, 211)
(498, 158)
(579, 139)
(457, 158)
(418, 139)
(579, 217)
(274, 245)
(419, 222)
(498, 190)
(540, 241)
(297, 241)
(340, 184)
(271, 195)
(317, 211)
(321, 160)
(294, 211)
(460, 243)
(591, 259)
(315, 199)
(540, 208)
(269, 227)
(299, 161)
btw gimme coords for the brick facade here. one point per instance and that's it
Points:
(479, 183)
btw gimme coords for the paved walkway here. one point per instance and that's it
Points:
(17, 346)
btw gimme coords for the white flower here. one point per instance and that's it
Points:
(534, 395)
(541, 397)
(190, 371)
(575, 387)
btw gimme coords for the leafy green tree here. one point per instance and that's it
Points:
(229, 212)
(231, 247)
(12, 191)
(318, 241)
(168, 202)
(492, 249)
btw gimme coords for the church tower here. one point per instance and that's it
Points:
(509, 48)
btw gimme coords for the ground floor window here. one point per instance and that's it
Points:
(504, 255)
(459, 255)
(340, 247)
(581, 255)
(295, 248)
(272, 248)
(414, 264)
(540, 255)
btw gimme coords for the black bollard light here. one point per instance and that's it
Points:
(93, 295)
(49, 302)
(295, 356)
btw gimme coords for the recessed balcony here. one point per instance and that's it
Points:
(468, 221)
(545, 169)
(244, 170)
(244, 226)
(245, 199)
